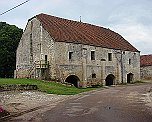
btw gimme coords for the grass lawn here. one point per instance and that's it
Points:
(48, 87)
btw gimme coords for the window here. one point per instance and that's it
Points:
(31, 25)
(129, 61)
(31, 49)
(31, 38)
(92, 55)
(109, 56)
(46, 61)
(94, 75)
(45, 58)
(70, 55)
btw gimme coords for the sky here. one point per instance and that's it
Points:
(130, 18)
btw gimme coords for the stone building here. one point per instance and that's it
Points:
(146, 67)
(75, 52)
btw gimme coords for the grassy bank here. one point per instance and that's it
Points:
(48, 87)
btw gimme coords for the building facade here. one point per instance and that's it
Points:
(75, 52)
(146, 67)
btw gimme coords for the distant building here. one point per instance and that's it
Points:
(75, 52)
(146, 67)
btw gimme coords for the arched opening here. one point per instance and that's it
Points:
(110, 80)
(130, 77)
(73, 80)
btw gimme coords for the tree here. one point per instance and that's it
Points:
(9, 38)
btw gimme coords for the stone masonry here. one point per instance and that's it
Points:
(40, 56)
(146, 67)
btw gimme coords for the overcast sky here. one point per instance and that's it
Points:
(130, 18)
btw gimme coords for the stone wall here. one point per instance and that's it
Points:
(146, 72)
(36, 44)
(18, 87)
(82, 66)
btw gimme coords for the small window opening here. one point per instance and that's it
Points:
(109, 56)
(46, 58)
(92, 55)
(31, 25)
(129, 61)
(30, 38)
(94, 75)
(70, 55)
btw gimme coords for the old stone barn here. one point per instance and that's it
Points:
(75, 52)
(146, 67)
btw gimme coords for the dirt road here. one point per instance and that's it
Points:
(130, 103)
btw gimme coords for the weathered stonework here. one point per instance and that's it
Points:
(146, 67)
(41, 47)
(146, 72)
(18, 87)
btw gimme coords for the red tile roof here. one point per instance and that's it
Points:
(63, 30)
(146, 60)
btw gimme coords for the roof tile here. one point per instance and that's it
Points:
(63, 30)
(146, 60)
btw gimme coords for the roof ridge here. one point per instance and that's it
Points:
(147, 55)
(76, 21)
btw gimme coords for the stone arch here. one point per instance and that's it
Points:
(73, 79)
(130, 77)
(110, 79)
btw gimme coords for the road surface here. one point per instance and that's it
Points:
(130, 103)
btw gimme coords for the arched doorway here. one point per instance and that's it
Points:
(110, 80)
(73, 79)
(130, 77)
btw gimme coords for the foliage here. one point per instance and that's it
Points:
(45, 86)
(9, 39)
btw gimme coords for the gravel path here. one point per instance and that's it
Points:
(20, 102)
